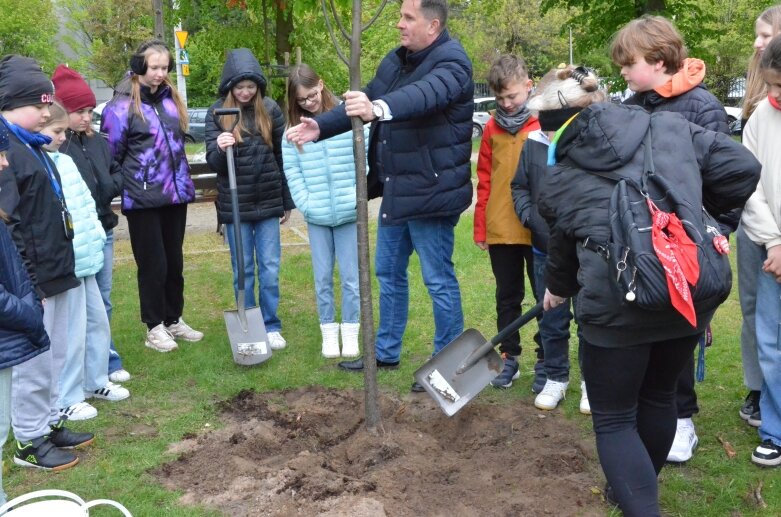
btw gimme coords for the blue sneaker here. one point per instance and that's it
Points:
(540, 377)
(509, 373)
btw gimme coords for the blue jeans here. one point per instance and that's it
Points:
(750, 258)
(768, 319)
(260, 240)
(554, 328)
(104, 278)
(341, 243)
(432, 239)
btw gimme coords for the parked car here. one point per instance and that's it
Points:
(734, 118)
(96, 113)
(197, 129)
(481, 116)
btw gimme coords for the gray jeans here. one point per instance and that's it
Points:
(749, 267)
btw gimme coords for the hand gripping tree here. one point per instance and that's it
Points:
(371, 402)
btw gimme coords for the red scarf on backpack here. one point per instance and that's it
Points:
(678, 255)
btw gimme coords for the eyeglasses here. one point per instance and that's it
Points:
(309, 98)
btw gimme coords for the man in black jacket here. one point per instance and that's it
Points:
(420, 101)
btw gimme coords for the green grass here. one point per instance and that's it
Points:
(175, 394)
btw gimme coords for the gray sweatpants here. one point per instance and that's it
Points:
(749, 268)
(34, 385)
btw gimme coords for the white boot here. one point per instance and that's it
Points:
(350, 347)
(330, 340)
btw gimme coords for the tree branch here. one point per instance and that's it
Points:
(339, 21)
(374, 18)
(333, 36)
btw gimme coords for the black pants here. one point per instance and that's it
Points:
(507, 263)
(632, 395)
(685, 395)
(156, 236)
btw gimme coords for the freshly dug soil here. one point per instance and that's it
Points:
(307, 452)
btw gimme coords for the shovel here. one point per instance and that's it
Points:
(246, 330)
(466, 365)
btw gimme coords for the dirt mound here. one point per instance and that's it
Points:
(306, 452)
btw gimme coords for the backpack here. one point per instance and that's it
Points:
(637, 275)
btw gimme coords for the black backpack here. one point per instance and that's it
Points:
(636, 274)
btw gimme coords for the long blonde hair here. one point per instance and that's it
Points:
(135, 88)
(262, 119)
(755, 85)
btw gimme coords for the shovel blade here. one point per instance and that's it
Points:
(249, 342)
(451, 390)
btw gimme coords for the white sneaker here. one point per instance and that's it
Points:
(120, 375)
(160, 339)
(685, 442)
(79, 411)
(585, 407)
(330, 347)
(184, 331)
(550, 396)
(111, 391)
(350, 345)
(277, 342)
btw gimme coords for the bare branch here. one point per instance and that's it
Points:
(333, 36)
(374, 18)
(338, 20)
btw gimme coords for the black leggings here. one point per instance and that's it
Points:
(632, 395)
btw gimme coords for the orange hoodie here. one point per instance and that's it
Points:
(688, 77)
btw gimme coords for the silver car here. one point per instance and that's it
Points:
(481, 116)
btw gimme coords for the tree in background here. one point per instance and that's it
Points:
(104, 33)
(29, 28)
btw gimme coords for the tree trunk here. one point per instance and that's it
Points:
(371, 402)
(284, 28)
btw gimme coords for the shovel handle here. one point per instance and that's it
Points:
(224, 112)
(483, 349)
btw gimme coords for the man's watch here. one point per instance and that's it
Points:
(377, 110)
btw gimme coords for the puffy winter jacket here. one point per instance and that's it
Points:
(697, 105)
(704, 167)
(88, 234)
(321, 178)
(35, 213)
(260, 182)
(100, 172)
(22, 335)
(421, 156)
(150, 150)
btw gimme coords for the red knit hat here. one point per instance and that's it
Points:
(71, 90)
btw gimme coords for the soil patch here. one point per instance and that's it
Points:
(306, 452)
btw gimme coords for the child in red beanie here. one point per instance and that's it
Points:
(102, 175)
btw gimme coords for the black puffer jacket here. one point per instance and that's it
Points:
(100, 172)
(697, 105)
(35, 212)
(422, 155)
(526, 186)
(260, 182)
(705, 167)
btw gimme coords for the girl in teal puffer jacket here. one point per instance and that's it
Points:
(85, 372)
(321, 179)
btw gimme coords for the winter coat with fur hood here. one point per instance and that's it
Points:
(707, 168)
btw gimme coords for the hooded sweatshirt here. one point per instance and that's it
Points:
(260, 181)
(707, 168)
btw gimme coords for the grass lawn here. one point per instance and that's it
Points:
(175, 394)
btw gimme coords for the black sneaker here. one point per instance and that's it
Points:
(64, 438)
(41, 453)
(508, 374)
(755, 420)
(767, 454)
(750, 406)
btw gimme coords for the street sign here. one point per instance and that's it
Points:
(181, 37)
(185, 70)
(183, 58)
